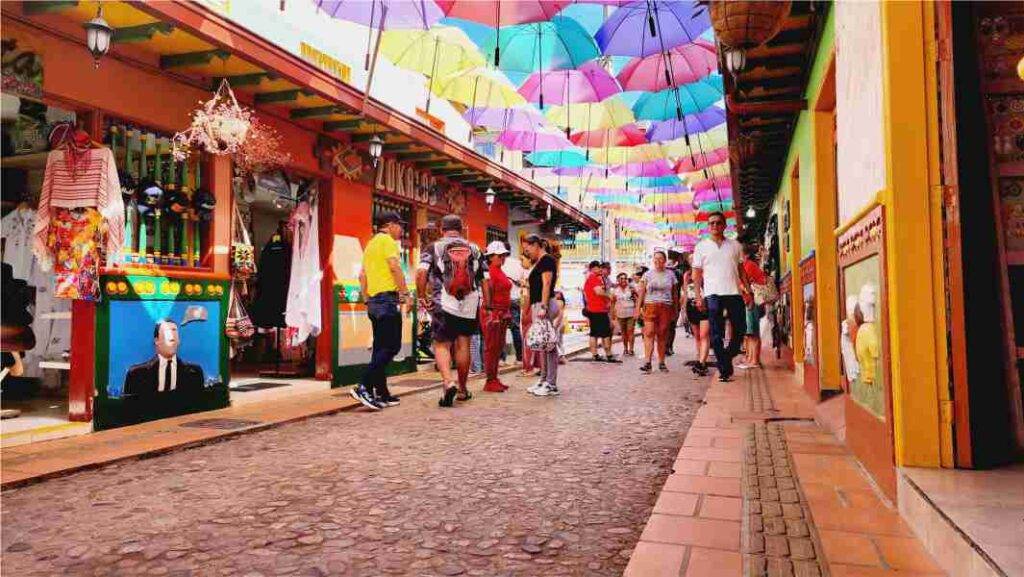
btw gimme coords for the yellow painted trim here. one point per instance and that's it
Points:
(796, 286)
(879, 200)
(909, 237)
(826, 276)
(813, 105)
(45, 429)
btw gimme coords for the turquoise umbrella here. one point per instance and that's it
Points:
(674, 103)
(655, 181)
(557, 43)
(566, 158)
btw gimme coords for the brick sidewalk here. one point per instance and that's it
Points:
(760, 489)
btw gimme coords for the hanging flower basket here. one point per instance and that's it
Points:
(220, 126)
(261, 151)
(747, 23)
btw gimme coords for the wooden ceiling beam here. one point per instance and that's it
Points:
(316, 111)
(253, 79)
(754, 108)
(199, 58)
(142, 32)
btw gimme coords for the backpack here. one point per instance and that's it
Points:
(456, 268)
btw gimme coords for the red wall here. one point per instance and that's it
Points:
(479, 218)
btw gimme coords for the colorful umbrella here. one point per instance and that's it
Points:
(625, 135)
(555, 44)
(532, 140)
(588, 83)
(479, 87)
(702, 160)
(437, 52)
(680, 65)
(686, 99)
(496, 13)
(672, 129)
(421, 14)
(557, 158)
(610, 113)
(652, 168)
(524, 118)
(647, 27)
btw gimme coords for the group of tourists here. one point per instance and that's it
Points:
(466, 292)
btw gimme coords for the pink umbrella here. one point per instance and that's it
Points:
(588, 170)
(680, 65)
(700, 160)
(530, 140)
(588, 83)
(526, 118)
(651, 168)
(719, 183)
(625, 135)
(704, 192)
(498, 13)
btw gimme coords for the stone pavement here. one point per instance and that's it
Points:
(506, 484)
(760, 489)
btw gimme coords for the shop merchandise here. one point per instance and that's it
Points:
(303, 304)
(271, 289)
(16, 229)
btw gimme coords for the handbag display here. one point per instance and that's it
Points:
(243, 255)
(238, 325)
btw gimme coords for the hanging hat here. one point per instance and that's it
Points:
(203, 203)
(128, 185)
(148, 196)
(175, 201)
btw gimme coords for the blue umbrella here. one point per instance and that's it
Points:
(648, 27)
(702, 121)
(655, 181)
(558, 43)
(675, 102)
(564, 158)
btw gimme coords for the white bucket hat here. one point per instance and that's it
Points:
(496, 247)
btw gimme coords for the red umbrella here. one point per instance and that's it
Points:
(700, 160)
(625, 135)
(498, 13)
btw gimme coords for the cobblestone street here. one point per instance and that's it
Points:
(506, 484)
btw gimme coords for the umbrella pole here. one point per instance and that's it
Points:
(497, 34)
(376, 54)
(369, 33)
(540, 62)
(433, 72)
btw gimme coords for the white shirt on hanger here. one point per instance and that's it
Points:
(16, 229)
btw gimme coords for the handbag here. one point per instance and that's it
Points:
(765, 293)
(238, 325)
(243, 256)
(542, 336)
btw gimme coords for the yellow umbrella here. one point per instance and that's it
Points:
(436, 53)
(610, 113)
(706, 141)
(692, 178)
(479, 87)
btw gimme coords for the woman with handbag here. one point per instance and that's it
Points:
(755, 310)
(543, 307)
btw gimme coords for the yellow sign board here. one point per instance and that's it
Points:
(324, 62)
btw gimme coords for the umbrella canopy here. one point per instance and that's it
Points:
(421, 14)
(701, 160)
(557, 158)
(680, 65)
(610, 113)
(498, 13)
(715, 138)
(654, 181)
(625, 135)
(672, 129)
(588, 83)
(643, 28)
(719, 184)
(438, 52)
(650, 168)
(686, 99)
(550, 45)
(524, 118)
(532, 140)
(481, 87)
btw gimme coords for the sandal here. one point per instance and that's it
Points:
(448, 399)
(646, 368)
(464, 396)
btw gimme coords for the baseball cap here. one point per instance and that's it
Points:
(496, 247)
(451, 222)
(388, 217)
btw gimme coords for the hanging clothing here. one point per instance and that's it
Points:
(272, 286)
(74, 239)
(16, 229)
(303, 306)
(78, 181)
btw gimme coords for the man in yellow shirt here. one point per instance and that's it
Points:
(382, 284)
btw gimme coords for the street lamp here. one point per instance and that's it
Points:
(735, 60)
(489, 198)
(751, 213)
(376, 147)
(97, 35)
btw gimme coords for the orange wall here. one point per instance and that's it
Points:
(479, 218)
(353, 206)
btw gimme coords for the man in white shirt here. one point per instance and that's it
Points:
(722, 290)
(513, 269)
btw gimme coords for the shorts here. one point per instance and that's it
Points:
(445, 327)
(754, 320)
(600, 325)
(626, 324)
(694, 314)
(658, 317)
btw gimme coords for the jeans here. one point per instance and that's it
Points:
(476, 354)
(718, 306)
(517, 335)
(387, 341)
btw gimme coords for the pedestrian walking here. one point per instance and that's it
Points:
(451, 270)
(513, 269)
(697, 318)
(752, 341)
(494, 314)
(722, 289)
(657, 303)
(624, 299)
(543, 305)
(530, 358)
(675, 265)
(382, 284)
(596, 305)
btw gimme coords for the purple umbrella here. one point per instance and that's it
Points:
(648, 27)
(703, 121)
(650, 169)
(529, 140)
(506, 118)
(421, 14)
(588, 83)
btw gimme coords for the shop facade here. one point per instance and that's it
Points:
(178, 251)
(894, 229)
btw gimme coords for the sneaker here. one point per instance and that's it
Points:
(389, 401)
(448, 399)
(612, 359)
(598, 358)
(669, 353)
(725, 379)
(744, 366)
(360, 394)
(547, 390)
(663, 367)
(646, 368)
(533, 390)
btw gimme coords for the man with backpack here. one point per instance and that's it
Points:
(453, 269)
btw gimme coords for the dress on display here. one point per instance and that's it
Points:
(303, 304)
(272, 284)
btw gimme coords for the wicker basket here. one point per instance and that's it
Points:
(747, 23)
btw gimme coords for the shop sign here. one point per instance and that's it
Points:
(325, 62)
(407, 182)
(22, 71)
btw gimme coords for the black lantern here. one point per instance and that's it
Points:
(376, 147)
(98, 35)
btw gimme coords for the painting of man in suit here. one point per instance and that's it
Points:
(164, 375)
